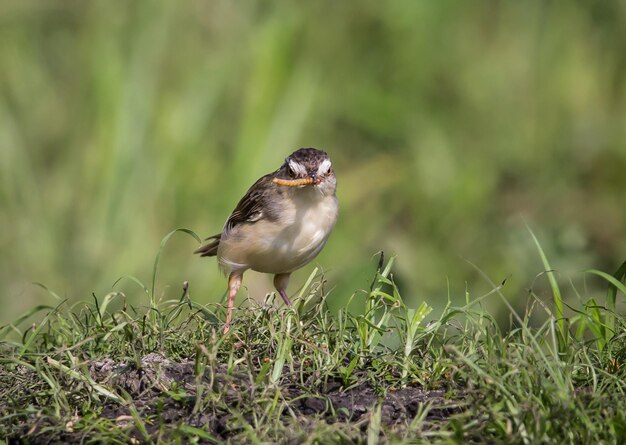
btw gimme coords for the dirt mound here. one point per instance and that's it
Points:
(168, 390)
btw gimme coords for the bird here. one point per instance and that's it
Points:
(280, 225)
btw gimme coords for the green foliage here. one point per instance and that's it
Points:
(557, 298)
(508, 387)
(600, 320)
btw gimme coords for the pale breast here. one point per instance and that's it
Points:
(304, 224)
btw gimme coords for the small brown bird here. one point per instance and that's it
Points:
(280, 225)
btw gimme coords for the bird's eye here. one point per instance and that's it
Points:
(328, 173)
(291, 172)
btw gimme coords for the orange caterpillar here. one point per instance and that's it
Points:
(294, 182)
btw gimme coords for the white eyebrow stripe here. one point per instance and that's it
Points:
(324, 167)
(297, 168)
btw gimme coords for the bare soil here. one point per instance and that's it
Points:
(165, 391)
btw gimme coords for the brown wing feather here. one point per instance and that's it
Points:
(252, 205)
(250, 208)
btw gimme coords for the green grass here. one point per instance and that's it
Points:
(162, 371)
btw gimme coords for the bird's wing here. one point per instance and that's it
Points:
(252, 206)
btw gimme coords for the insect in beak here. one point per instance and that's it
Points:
(311, 180)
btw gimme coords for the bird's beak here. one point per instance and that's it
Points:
(311, 180)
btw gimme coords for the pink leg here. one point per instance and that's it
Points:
(281, 281)
(234, 281)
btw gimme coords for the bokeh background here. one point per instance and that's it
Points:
(451, 124)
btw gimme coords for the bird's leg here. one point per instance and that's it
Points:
(281, 281)
(234, 281)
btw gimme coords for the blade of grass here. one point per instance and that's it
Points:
(616, 282)
(285, 342)
(556, 292)
(373, 429)
(190, 430)
(85, 379)
(47, 289)
(33, 335)
(13, 326)
(414, 318)
(164, 241)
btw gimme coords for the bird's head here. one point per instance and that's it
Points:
(307, 167)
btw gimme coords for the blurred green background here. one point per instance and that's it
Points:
(449, 123)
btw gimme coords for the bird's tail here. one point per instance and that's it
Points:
(209, 249)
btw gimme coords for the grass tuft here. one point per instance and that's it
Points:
(104, 370)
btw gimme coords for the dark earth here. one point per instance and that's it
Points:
(166, 390)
